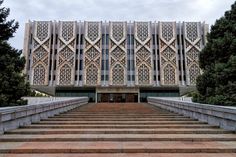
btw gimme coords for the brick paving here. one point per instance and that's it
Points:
(119, 130)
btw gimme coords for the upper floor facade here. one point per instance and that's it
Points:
(72, 53)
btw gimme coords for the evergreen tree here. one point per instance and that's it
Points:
(12, 81)
(217, 84)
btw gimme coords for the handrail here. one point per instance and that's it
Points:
(12, 118)
(222, 116)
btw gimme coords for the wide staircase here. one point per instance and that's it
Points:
(120, 130)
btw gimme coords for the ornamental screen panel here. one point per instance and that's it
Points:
(168, 53)
(192, 47)
(118, 53)
(66, 53)
(143, 53)
(92, 53)
(41, 38)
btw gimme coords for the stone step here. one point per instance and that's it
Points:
(115, 114)
(119, 119)
(69, 116)
(123, 155)
(119, 131)
(119, 147)
(120, 122)
(117, 137)
(118, 114)
(70, 126)
(157, 111)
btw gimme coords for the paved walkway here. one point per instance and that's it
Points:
(120, 130)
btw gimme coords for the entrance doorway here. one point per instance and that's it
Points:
(117, 97)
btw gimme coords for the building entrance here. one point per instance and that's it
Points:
(117, 97)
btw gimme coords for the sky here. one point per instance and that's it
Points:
(113, 10)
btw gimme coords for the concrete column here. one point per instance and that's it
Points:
(96, 96)
(138, 95)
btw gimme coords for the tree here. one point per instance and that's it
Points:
(12, 82)
(217, 84)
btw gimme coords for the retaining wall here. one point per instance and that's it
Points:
(14, 117)
(224, 117)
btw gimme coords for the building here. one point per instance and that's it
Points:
(113, 61)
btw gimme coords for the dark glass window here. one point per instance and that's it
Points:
(158, 65)
(103, 53)
(154, 64)
(76, 64)
(81, 65)
(56, 38)
(107, 64)
(128, 52)
(103, 39)
(50, 65)
(178, 39)
(182, 39)
(132, 39)
(133, 77)
(128, 39)
(107, 39)
(157, 40)
(31, 38)
(81, 39)
(128, 78)
(153, 39)
(77, 39)
(107, 52)
(132, 64)
(29, 65)
(128, 65)
(179, 65)
(103, 65)
(107, 77)
(55, 64)
(51, 39)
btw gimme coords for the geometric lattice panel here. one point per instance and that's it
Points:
(192, 46)
(66, 53)
(41, 39)
(168, 53)
(92, 53)
(142, 53)
(118, 53)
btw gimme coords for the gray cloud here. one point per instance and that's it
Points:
(122, 10)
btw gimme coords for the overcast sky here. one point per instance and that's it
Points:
(101, 10)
